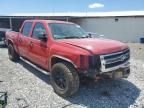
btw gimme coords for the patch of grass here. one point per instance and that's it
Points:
(0, 105)
(3, 99)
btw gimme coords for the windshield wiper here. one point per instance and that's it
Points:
(69, 37)
(86, 36)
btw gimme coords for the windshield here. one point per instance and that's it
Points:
(66, 31)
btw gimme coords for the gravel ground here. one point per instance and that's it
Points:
(29, 87)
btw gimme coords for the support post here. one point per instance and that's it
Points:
(10, 23)
(67, 19)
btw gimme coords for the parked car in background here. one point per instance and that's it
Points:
(66, 51)
(2, 35)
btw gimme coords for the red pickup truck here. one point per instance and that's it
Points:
(66, 51)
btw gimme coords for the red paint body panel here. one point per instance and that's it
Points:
(41, 52)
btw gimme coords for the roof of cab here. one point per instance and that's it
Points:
(48, 21)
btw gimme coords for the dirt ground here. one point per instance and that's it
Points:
(137, 50)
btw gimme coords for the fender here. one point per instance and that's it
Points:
(8, 39)
(14, 45)
(63, 58)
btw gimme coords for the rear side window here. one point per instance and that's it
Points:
(26, 28)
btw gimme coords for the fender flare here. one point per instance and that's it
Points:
(10, 41)
(63, 58)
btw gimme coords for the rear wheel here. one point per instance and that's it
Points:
(64, 79)
(12, 53)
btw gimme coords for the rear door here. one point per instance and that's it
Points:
(38, 49)
(23, 39)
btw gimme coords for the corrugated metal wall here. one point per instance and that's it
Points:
(127, 29)
(4, 23)
(119, 28)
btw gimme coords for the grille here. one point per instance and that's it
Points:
(115, 59)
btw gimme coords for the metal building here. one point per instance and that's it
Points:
(123, 26)
(127, 26)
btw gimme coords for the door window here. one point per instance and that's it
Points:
(38, 31)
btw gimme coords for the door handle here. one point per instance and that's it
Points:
(31, 44)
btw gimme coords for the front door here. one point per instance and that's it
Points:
(38, 49)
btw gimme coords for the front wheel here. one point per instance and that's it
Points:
(12, 53)
(64, 79)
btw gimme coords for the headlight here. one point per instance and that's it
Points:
(84, 61)
(90, 62)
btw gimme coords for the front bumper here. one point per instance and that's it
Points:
(121, 71)
(115, 65)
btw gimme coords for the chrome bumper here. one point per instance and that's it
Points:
(119, 73)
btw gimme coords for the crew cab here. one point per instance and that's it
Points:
(66, 51)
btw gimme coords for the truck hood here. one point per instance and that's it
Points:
(96, 46)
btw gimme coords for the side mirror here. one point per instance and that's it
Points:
(43, 36)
